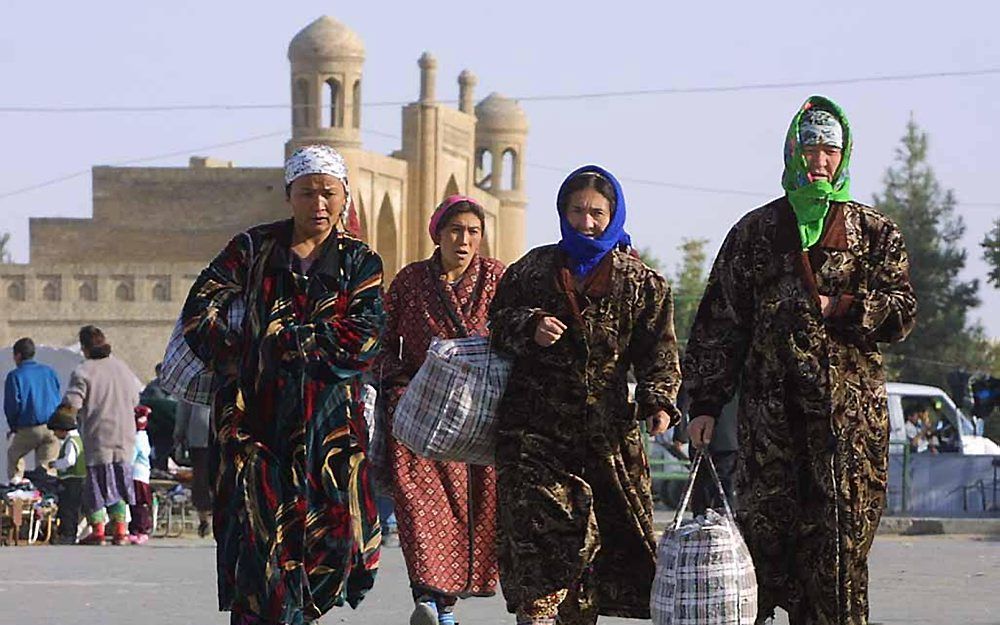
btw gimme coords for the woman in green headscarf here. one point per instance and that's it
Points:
(800, 294)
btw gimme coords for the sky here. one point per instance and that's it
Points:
(69, 54)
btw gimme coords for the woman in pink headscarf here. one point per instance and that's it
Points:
(446, 511)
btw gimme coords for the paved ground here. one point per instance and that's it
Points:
(916, 580)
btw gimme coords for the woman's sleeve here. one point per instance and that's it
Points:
(720, 334)
(389, 365)
(886, 311)
(343, 333)
(76, 392)
(512, 324)
(64, 462)
(204, 316)
(653, 350)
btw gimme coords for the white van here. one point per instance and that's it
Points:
(956, 432)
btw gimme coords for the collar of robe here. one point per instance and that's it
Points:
(787, 237)
(327, 260)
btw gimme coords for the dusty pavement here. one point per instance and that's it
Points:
(915, 580)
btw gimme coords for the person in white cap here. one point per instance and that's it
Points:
(294, 515)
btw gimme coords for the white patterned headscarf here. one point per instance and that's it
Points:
(819, 127)
(317, 159)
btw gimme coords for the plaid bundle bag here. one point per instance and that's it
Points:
(704, 573)
(448, 411)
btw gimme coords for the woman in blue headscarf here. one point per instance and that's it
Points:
(575, 511)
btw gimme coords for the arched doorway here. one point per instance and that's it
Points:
(386, 238)
(366, 235)
(451, 188)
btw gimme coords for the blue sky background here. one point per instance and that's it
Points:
(118, 53)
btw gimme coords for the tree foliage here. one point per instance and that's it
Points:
(925, 213)
(991, 253)
(689, 285)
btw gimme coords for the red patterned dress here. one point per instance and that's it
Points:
(446, 511)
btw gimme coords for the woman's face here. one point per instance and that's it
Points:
(588, 212)
(317, 201)
(460, 240)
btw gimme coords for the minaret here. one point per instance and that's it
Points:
(501, 132)
(326, 62)
(466, 86)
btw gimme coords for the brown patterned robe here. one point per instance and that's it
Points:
(573, 484)
(813, 420)
(446, 511)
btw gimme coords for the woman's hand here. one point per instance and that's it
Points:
(700, 431)
(548, 331)
(827, 304)
(657, 422)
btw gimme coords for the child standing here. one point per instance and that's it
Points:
(72, 469)
(142, 512)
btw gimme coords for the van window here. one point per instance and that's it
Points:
(932, 424)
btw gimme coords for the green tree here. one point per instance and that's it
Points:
(925, 213)
(650, 259)
(5, 247)
(991, 253)
(689, 285)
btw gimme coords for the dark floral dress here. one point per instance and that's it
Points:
(813, 417)
(573, 479)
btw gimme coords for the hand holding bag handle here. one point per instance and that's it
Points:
(699, 456)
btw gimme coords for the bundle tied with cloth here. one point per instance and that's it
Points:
(704, 572)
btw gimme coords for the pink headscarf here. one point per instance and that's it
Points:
(442, 208)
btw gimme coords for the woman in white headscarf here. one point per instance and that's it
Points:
(294, 515)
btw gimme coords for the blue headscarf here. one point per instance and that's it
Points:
(585, 252)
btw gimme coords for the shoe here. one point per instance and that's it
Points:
(65, 540)
(138, 539)
(424, 613)
(94, 538)
(203, 529)
(121, 534)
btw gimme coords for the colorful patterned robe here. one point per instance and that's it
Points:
(813, 420)
(576, 512)
(294, 515)
(446, 511)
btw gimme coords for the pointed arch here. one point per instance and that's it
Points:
(451, 188)
(51, 291)
(333, 112)
(161, 291)
(88, 291)
(484, 168)
(363, 219)
(386, 237)
(16, 290)
(124, 292)
(509, 170)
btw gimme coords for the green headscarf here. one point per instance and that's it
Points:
(811, 200)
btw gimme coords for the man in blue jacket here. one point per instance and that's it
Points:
(31, 395)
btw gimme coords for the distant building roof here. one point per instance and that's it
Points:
(325, 39)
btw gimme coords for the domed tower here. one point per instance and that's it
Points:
(326, 58)
(501, 134)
